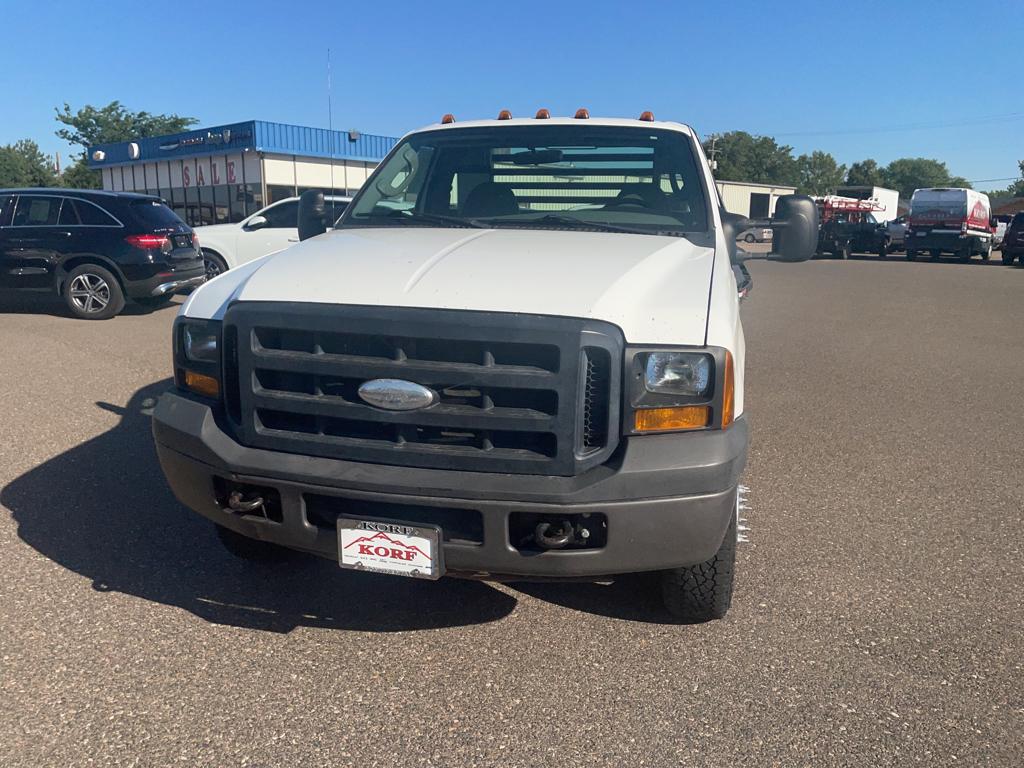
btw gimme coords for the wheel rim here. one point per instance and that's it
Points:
(213, 267)
(89, 293)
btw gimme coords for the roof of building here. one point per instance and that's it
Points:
(248, 136)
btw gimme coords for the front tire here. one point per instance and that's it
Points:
(1007, 258)
(702, 592)
(965, 254)
(749, 238)
(92, 293)
(214, 264)
(253, 550)
(987, 253)
(911, 255)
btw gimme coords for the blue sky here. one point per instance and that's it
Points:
(866, 79)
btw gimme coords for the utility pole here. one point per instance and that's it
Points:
(713, 152)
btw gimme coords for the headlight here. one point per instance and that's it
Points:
(678, 373)
(200, 343)
(680, 389)
(197, 356)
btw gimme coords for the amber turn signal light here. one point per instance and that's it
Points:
(647, 116)
(543, 114)
(448, 119)
(582, 114)
(505, 115)
(207, 386)
(728, 392)
(672, 419)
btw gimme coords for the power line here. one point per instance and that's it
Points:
(1005, 178)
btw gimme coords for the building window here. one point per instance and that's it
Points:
(191, 207)
(221, 195)
(236, 203)
(276, 192)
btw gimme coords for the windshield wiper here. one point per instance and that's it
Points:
(576, 223)
(424, 218)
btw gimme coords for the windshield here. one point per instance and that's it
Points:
(578, 177)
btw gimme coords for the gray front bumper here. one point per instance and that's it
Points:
(668, 499)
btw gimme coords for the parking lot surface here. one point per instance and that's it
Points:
(878, 616)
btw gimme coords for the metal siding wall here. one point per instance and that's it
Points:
(317, 142)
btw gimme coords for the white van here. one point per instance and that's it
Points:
(518, 355)
(949, 220)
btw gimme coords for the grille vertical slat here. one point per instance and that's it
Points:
(510, 388)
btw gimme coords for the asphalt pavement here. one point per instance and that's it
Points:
(877, 619)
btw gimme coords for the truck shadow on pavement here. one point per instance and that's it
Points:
(103, 510)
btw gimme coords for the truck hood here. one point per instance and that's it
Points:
(655, 288)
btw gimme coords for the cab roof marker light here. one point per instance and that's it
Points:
(448, 119)
(542, 114)
(647, 116)
(505, 115)
(582, 114)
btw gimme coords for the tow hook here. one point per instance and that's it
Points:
(241, 505)
(555, 536)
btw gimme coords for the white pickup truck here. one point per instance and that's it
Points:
(518, 355)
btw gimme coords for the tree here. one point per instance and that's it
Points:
(910, 173)
(90, 126)
(79, 175)
(819, 173)
(866, 173)
(23, 164)
(758, 159)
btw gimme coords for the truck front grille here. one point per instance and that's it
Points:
(515, 393)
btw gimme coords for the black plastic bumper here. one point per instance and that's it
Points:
(166, 283)
(667, 499)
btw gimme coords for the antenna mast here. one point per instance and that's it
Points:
(330, 120)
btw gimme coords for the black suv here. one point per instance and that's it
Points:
(1013, 240)
(95, 249)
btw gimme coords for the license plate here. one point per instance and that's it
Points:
(390, 547)
(920, 234)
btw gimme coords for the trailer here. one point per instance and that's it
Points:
(887, 200)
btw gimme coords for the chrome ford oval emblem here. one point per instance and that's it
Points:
(396, 394)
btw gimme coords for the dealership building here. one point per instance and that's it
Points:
(223, 174)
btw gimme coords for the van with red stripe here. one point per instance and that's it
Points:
(949, 220)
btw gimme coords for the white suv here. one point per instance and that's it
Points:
(269, 230)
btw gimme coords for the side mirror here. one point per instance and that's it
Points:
(312, 214)
(795, 225)
(256, 222)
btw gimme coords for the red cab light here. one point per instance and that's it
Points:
(149, 242)
(647, 116)
(448, 119)
(543, 114)
(504, 115)
(582, 114)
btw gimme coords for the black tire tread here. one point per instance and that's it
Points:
(117, 299)
(702, 592)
